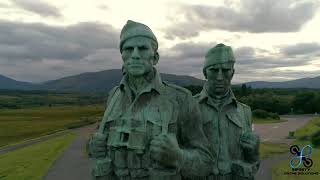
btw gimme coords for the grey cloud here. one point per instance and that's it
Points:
(188, 58)
(255, 16)
(187, 50)
(39, 52)
(301, 49)
(244, 52)
(20, 41)
(38, 7)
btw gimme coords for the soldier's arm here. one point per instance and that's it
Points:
(92, 143)
(196, 155)
(251, 163)
(256, 156)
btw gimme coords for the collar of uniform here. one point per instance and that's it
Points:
(204, 97)
(155, 83)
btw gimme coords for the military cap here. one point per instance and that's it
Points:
(218, 55)
(133, 29)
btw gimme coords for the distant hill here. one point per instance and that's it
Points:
(105, 80)
(313, 83)
(8, 83)
(101, 81)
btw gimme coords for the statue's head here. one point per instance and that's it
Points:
(138, 47)
(219, 68)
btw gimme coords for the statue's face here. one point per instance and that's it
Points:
(138, 56)
(219, 78)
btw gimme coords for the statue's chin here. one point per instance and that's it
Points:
(136, 72)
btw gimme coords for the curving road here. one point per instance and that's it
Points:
(277, 133)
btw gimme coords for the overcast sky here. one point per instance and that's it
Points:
(273, 40)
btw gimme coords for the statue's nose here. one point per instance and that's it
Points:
(135, 53)
(219, 75)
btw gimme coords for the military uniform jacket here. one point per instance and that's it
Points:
(223, 125)
(130, 123)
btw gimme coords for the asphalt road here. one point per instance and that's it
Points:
(73, 164)
(278, 132)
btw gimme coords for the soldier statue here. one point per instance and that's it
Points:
(226, 122)
(150, 129)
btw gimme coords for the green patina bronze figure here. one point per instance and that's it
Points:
(226, 122)
(150, 129)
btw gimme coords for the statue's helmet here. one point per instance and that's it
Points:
(218, 55)
(134, 29)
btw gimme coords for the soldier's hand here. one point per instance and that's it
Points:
(165, 149)
(97, 145)
(250, 144)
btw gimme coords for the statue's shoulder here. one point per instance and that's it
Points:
(197, 96)
(246, 110)
(177, 89)
(244, 106)
(112, 93)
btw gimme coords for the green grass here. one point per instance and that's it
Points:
(308, 130)
(33, 162)
(268, 149)
(22, 124)
(266, 121)
(302, 138)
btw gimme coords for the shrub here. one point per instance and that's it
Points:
(315, 139)
(259, 113)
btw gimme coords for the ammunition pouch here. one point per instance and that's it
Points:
(242, 169)
(102, 167)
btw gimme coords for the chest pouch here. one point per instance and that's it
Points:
(131, 135)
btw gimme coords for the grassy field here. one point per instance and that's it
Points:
(33, 162)
(268, 149)
(19, 99)
(22, 124)
(302, 138)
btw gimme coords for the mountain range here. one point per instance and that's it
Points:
(312, 83)
(103, 81)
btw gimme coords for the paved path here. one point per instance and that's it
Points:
(265, 170)
(73, 164)
(277, 133)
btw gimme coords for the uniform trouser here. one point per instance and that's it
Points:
(114, 177)
(221, 177)
(228, 177)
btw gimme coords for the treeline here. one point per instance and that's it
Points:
(17, 99)
(281, 101)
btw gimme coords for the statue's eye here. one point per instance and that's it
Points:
(128, 48)
(143, 48)
(214, 70)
